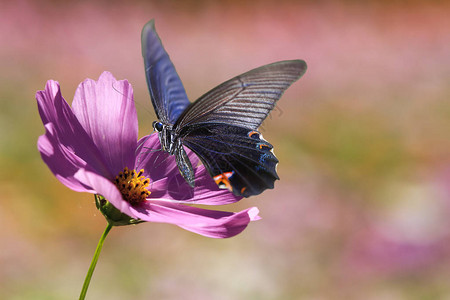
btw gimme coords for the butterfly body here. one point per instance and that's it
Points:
(166, 136)
(221, 127)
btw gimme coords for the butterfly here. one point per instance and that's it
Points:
(220, 127)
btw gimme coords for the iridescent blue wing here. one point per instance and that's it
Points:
(236, 158)
(244, 100)
(166, 90)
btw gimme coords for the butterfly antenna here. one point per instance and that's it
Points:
(149, 150)
(141, 106)
(121, 93)
(162, 161)
(142, 144)
(138, 148)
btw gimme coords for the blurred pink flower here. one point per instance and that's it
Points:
(373, 252)
(93, 147)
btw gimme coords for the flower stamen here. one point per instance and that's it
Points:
(132, 185)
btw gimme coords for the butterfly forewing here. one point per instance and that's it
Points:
(244, 100)
(166, 90)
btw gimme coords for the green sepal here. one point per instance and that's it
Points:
(114, 216)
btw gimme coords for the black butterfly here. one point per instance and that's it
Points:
(221, 126)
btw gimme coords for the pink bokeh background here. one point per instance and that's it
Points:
(361, 210)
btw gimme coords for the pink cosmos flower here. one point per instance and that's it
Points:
(93, 147)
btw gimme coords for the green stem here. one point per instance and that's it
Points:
(94, 262)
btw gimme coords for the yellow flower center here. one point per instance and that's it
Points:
(132, 185)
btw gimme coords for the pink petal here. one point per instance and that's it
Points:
(105, 109)
(104, 187)
(156, 163)
(70, 134)
(228, 227)
(205, 191)
(210, 223)
(61, 160)
(167, 182)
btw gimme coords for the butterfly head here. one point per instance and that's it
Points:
(158, 126)
(166, 136)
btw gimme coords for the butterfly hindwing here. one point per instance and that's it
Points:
(166, 89)
(236, 158)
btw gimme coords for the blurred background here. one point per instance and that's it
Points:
(362, 208)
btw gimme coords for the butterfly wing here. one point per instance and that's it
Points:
(166, 90)
(244, 100)
(220, 127)
(236, 158)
